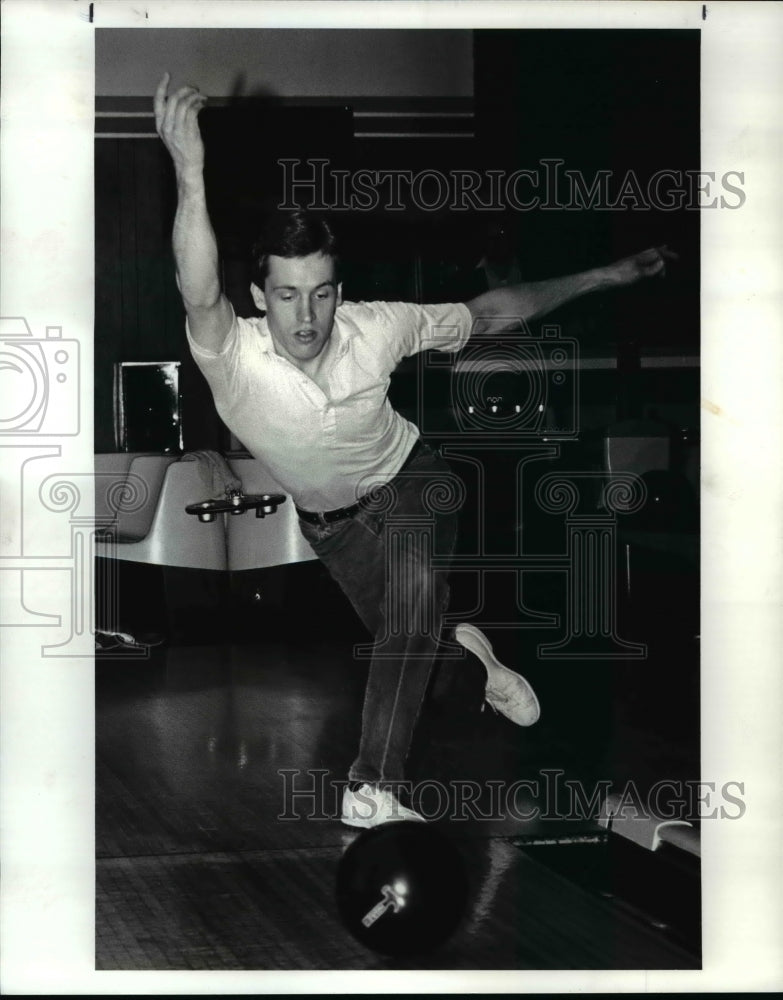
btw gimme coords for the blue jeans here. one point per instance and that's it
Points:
(382, 560)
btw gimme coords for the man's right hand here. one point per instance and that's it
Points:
(176, 119)
(210, 315)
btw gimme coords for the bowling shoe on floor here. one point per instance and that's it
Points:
(370, 806)
(507, 692)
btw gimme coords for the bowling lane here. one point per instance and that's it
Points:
(196, 870)
(276, 910)
(201, 748)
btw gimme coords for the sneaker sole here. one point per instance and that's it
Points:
(379, 815)
(366, 824)
(363, 824)
(479, 645)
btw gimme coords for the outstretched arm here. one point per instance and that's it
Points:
(195, 248)
(533, 299)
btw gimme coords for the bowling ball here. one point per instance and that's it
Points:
(402, 888)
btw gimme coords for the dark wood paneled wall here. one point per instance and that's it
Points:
(625, 101)
(138, 311)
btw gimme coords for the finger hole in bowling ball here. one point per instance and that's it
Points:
(402, 888)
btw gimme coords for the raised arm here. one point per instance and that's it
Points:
(195, 248)
(533, 299)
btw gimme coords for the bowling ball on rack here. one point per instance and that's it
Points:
(402, 888)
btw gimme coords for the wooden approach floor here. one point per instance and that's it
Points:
(195, 869)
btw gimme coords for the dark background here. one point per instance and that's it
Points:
(598, 100)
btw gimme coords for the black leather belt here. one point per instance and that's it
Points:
(330, 516)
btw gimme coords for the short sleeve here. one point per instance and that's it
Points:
(229, 344)
(224, 368)
(409, 328)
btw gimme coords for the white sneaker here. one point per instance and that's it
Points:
(370, 806)
(507, 692)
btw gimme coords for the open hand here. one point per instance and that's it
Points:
(176, 119)
(647, 264)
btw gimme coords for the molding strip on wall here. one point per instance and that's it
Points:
(374, 118)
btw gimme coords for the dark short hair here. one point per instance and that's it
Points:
(292, 234)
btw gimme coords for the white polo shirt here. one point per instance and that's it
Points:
(327, 449)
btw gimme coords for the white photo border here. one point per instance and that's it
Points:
(47, 744)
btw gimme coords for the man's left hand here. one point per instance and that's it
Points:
(647, 264)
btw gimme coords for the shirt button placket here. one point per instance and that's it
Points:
(329, 422)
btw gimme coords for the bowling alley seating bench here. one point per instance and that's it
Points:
(166, 559)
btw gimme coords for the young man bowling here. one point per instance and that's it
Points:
(304, 389)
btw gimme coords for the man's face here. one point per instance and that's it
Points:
(300, 297)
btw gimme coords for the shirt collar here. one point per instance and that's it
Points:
(342, 333)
